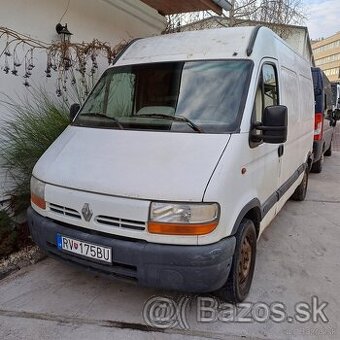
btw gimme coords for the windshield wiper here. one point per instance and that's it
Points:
(173, 118)
(102, 115)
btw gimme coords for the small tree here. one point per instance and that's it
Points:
(280, 12)
(272, 12)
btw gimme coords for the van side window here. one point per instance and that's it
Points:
(267, 93)
(270, 91)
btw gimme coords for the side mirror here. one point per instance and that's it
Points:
(74, 109)
(336, 114)
(274, 125)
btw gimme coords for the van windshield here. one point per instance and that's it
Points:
(197, 96)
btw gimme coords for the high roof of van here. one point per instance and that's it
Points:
(253, 43)
(220, 43)
(204, 44)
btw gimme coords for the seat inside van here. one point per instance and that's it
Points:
(166, 110)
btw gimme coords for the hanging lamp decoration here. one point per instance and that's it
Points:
(64, 62)
(64, 33)
(74, 65)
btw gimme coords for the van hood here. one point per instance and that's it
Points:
(136, 164)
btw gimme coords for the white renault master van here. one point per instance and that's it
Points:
(185, 150)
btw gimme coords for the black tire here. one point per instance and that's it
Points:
(301, 191)
(238, 284)
(329, 150)
(317, 166)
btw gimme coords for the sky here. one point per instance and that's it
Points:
(323, 17)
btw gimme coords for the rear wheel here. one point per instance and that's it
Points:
(241, 273)
(301, 191)
(329, 151)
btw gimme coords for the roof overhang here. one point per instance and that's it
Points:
(166, 7)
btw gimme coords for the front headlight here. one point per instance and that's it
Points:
(183, 218)
(38, 193)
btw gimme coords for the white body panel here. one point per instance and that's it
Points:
(132, 164)
(234, 189)
(120, 172)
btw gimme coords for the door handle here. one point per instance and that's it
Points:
(280, 150)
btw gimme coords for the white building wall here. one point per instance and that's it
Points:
(111, 21)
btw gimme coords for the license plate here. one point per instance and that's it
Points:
(89, 250)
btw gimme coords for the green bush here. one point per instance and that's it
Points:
(32, 125)
(8, 234)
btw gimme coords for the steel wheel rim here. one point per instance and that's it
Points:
(305, 182)
(244, 265)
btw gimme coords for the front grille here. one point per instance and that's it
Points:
(120, 222)
(58, 209)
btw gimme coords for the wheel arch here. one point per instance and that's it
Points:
(252, 210)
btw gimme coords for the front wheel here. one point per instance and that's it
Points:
(241, 273)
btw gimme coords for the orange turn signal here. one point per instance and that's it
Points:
(38, 201)
(181, 229)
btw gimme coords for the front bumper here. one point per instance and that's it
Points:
(184, 268)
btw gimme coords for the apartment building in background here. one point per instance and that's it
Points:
(327, 56)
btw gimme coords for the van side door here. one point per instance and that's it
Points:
(267, 156)
(296, 94)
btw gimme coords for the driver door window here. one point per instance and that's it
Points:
(267, 93)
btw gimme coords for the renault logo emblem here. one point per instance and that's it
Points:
(86, 212)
